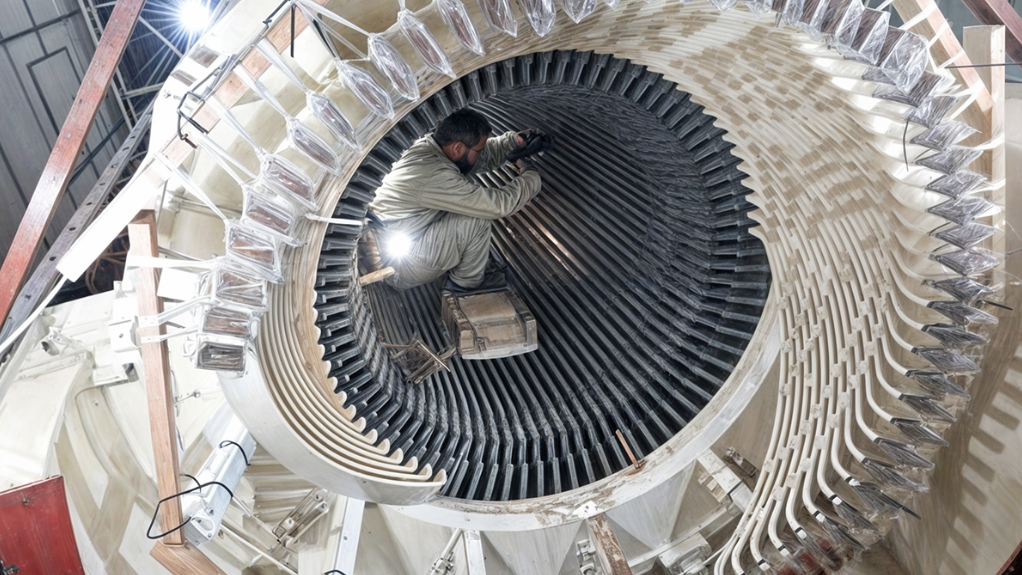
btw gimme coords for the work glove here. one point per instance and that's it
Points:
(525, 164)
(535, 142)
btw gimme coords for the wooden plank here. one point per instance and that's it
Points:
(35, 530)
(947, 45)
(45, 275)
(57, 172)
(156, 368)
(996, 13)
(985, 45)
(608, 550)
(184, 559)
(153, 173)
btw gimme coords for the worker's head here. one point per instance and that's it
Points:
(462, 136)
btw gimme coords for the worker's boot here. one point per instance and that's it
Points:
(492, 281)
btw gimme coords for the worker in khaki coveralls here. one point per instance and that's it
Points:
(429, 197)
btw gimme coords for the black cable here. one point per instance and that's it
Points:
(274, 13)
(987, 65)
(332, 571)
(199, 487)
(293, 7)
(240, 448)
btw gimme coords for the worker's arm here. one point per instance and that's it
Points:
(496, 151)
(450, 191)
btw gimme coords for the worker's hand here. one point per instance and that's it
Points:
(531, 142)
(524, 165)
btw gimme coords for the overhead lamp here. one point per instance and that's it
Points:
(194, 15)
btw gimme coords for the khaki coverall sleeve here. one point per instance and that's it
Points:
(495, 152)
(449, 191)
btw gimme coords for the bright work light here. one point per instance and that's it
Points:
(398, 245)
(194, 15)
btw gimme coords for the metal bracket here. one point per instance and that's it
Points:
(418, 359)
(586, 553)
(201, 92)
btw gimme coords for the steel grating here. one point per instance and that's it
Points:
(636, 260)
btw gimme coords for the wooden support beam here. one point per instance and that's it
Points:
(946, 47)
(156, 369)
(57, 173)
(985, 45)
(608, 550)
(45, 276)
(153, 173)
(997, 13)
(184, 559)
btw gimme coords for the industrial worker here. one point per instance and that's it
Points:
(432, 209)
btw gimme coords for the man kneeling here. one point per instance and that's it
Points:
(429, 199)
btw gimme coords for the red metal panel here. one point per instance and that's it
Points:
(36, 537)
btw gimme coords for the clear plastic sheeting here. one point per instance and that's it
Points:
(218, 353)
(315, 148)
(237, 285)
(254, 250)
(902, 60)
(813, 16)
(828, 561)
(946, 360)
(300, 136)
(957, 184)
(932, 110)
(887, 475)
(918, 432)
(869, 37)
(288, 179)
(927, 85)
(832, 16)
(233, 322)
(855, 519)
(964, 290)
(962, 314)
(937, 383)
(903, 453)
(542, 14)
(365, 88)
(264, 210)
(335, 121)
(724, 5)
(757, 7)
(788, 11)
(962, 210)
(951, 160)
(322, 107)
(966, 262)
(388, 60)
(953, 336)
(577, 10)
(928, 407)
(424, 43)
(500, 16)
(966, 236)
(844, 27)
(944, 135)
(455, 15)
(838, 532)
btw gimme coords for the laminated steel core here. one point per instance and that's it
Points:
(636, 260)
